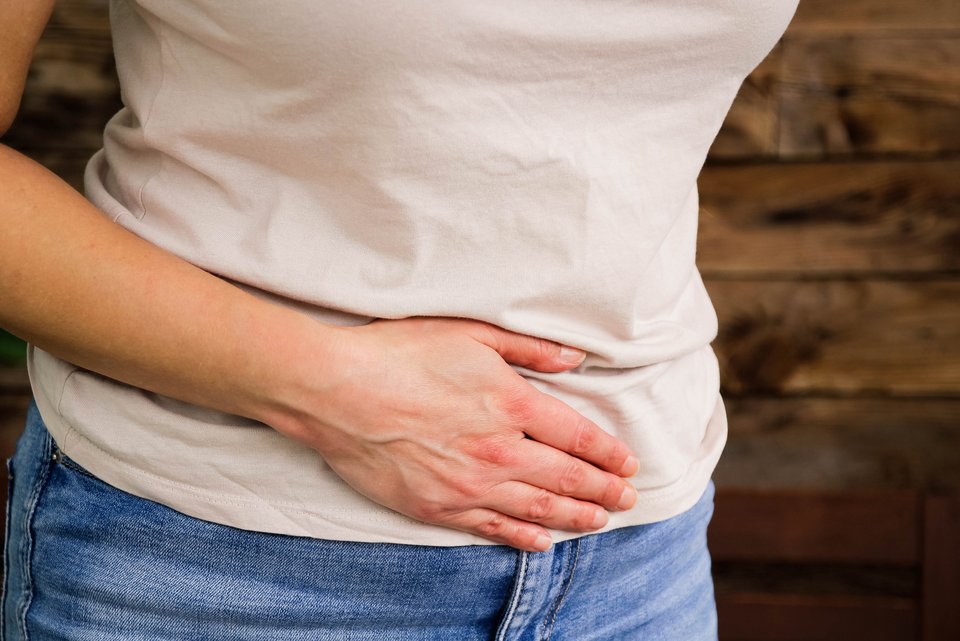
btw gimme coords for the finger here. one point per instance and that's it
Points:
(554, 470)
(501, 528)
(549, 420)
(537, 505)
(528, 351)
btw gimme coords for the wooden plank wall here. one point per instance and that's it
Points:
(830, 244)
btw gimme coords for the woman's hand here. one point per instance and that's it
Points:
(425, 416)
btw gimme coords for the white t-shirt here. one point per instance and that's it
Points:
(531, 163)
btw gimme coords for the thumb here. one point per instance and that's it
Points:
(529, 351)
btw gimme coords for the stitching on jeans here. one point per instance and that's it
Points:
(515, 596)
(563, 595)
(26, 548)
(6, 552)
(69, 463)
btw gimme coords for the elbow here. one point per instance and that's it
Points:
(6, 120)
(8, 112)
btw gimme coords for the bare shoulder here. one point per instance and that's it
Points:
(21, 23)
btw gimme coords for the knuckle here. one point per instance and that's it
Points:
(617, 458)
(478, 325)
(583, 519)
(485, 332)
(429, 511)
(544, 349)
(495, 451)
(518, 405)
(467, 487)
(572, 478)
(492, 526)
(525, 538)
(612, 492)
(584, 438)
(541, 506)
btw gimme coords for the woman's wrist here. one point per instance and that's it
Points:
(301, 360)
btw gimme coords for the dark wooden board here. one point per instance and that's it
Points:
(72, 88)
(766, 617)
(941, 578)
(844, 95)
(13, 413)
(794, 220)
(821, 579)
(869, 17)
(853, 527)
(86, 15)
(841, 337)
(841, 443)
(751, 127)
(14, 380)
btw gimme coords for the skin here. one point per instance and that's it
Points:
(423, 415)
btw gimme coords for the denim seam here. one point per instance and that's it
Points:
(566, 589)
(26, 548)
(515, 596)
(6, 552)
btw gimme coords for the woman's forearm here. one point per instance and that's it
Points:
(87, 290)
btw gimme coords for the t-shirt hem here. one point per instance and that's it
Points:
(389, 526)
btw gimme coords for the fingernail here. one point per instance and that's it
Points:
(627, 498)
(630, 467)
(543, 542)
(571, 355)
(599, 519)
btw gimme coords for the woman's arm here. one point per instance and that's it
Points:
(89, 291)
(422, 415)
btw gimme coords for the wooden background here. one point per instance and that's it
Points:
(830, 244)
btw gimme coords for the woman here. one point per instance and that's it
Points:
(365, 306)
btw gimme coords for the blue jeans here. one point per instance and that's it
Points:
(86, 561)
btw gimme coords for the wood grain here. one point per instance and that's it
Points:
(818, 527)
(14, 380)
(72, 88)
(841, 443)
(863, 18)
(751, 127)
(941, 577)
(841, 337)
(822, 579)
(13, 413)
(869, 95)
(793, 220)
(85, 15)
(768, 617)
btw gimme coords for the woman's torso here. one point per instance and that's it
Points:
(532, 164)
